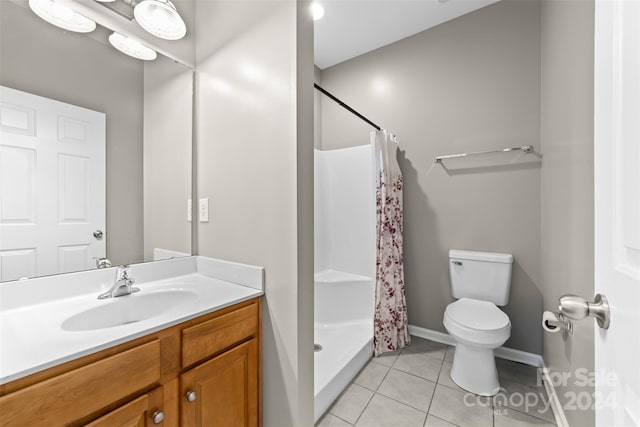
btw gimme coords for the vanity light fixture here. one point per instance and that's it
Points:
(61, 16)
(160, 18)
(317, 11)
(132, 47)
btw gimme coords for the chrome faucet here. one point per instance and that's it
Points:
(123, 285)
(102, 263)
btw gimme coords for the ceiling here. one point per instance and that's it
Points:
(350, 28)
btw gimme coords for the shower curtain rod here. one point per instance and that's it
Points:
(345, 106)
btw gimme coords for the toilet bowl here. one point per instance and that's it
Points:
(478, 327)
(481, 281)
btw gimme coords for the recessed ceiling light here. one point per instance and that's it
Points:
(132, 47)
(160, 18)
(61, 16)
(317, 11)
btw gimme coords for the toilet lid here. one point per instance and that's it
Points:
(477, 314)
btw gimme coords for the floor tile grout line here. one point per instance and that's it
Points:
(493, 413)
(403, 403)
(368, 388)
(378, 386)
(442, 419)
(536, 387)
(388, 397)
(374, 360)
(435, 388)
(391, 398)
(328, 411)
(424, 354)
(436, 382)
(383, 378)
(341, 419)
(365, 408)
(413, 375)
(526, 413)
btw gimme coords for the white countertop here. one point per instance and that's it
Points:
(31, 336)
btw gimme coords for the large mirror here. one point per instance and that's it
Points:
(95, 150)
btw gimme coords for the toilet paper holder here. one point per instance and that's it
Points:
(562, 323)
(577, 308)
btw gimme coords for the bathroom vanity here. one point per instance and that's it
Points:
(197, 363)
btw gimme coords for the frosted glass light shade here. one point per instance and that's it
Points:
(160, 18)
(61, 16)
(317, 11)
(132, 47)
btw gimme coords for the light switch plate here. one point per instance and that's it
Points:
(203, 210)
(189, 210)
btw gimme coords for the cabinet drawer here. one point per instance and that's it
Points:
(83, 391)
(133, 414)
(208, 338)
(137, 413)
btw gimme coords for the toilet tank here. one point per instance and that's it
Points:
(481, 275)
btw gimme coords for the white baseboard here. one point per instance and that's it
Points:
(556, 407)
(501, 352)
(432, 335)
(527, 358)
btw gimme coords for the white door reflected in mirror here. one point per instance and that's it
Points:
(52, 186)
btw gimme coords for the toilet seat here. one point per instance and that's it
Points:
(477, 314)
(478, 322)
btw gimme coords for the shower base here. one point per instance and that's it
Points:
(346, 348)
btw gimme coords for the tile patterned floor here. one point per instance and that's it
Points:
(412, 388)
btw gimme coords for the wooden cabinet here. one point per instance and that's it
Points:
(222, 392)
(217, 356)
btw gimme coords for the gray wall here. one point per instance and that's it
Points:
(567, 182)
(74, 68)
(168, 104)
(255, 163)
(470, 84)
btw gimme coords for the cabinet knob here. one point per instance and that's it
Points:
(191, 396)
(157, 417)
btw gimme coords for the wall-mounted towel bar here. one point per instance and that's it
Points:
(525, 149)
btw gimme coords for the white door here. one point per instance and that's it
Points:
(617, 210)
(52, 186)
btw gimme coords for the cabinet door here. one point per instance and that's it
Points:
(222, 392)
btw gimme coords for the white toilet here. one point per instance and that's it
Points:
(481, 281)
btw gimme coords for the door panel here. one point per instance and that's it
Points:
(617, 210)
(17, 171)
(73, 179)
(18, 263)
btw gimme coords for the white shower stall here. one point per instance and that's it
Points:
(345, 253)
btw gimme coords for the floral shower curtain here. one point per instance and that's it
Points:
(390, 317)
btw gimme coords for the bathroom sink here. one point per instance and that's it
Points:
(129, 309)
